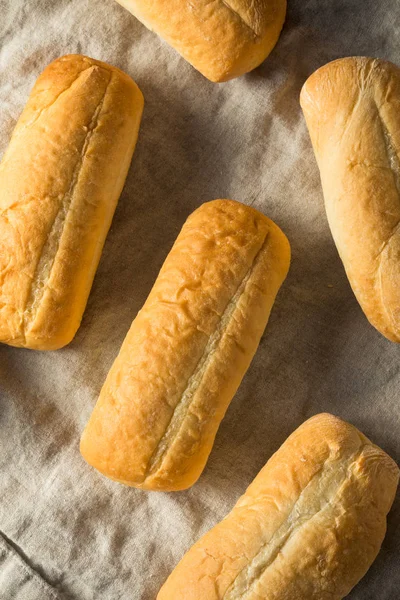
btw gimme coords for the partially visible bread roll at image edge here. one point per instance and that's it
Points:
(188, 349)
(60, 180)
(308, 527)
(220, 39)
(352, 109)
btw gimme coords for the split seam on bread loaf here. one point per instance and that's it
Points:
(50, 248)
(394, 166)
(45, 108)
(240, 17)
(187, 399)
(323, 485)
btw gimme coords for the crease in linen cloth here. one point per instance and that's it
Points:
(18, 579)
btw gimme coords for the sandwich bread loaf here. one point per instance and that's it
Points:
(60, 180)
(188, 349)
(352, 109)
(307, 528)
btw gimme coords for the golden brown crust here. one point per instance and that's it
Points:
(352, 109)
(188, 348)
(60, 180)
(222, 38)
(307, 528)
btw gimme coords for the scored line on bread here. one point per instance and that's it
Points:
(184, 404)
(49, 251)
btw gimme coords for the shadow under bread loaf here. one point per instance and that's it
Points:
(60, 180)
(220, 39)
(308, 527)
(188, 349)
(352, 109)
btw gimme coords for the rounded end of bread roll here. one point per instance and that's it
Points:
(41, 341)
(223, 39)
(321, 91)
(320, 94)
(69, 66)
(163, 481)
(261, 29)
(53, 342)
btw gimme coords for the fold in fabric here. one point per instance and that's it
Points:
(18, 579)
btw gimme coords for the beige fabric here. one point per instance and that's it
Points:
(88, 537)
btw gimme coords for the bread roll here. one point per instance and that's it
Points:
(60, 180)
(188, 348)
(222, 39)
(352, 109)
(308, 527)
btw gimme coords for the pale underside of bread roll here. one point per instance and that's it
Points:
(60, 180)
(352, 109)
(308, 527)
(222, 39)
(188, 348)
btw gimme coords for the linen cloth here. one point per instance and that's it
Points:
(68, 532)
